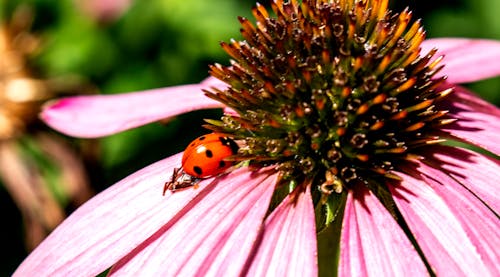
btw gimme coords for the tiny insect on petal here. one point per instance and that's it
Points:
(204, 157)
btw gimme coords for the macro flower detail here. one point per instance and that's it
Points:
(335, 95)
(340, 110)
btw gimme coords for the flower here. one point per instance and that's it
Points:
(104, 11)
(340, 120)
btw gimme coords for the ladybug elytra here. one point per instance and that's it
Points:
(204, 157)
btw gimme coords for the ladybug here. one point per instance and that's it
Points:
(204, 157)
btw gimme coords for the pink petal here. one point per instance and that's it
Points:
(372, 243)
(110, 225)
(101, 115)
(105, 10)
(466, 60)
(213, 236)
(478, 121)
(288, 246)
(478, 173)
(458, 234)
(213, 82)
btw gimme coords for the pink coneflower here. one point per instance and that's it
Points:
(104, 10)
(340, 110)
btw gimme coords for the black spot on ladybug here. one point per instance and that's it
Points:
(209, 153)
(197, 170)
(202, 138)
(222, 164)
(229, 142)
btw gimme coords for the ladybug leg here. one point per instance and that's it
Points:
(180, 180)
(170, 185)
(183, 181)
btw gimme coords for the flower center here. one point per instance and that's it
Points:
(334, 92)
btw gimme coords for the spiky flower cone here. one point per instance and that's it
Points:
(333, 92)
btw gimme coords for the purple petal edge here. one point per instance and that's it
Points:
(213, 236)
(101, 115)
(477, 122)
(458, 234)
(288, 246)
(466, 60)
(109, 225)
(372, 243)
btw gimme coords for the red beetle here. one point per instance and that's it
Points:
(204, 157)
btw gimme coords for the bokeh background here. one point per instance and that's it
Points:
(110, 46)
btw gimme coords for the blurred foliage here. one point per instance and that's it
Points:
(158, 43)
